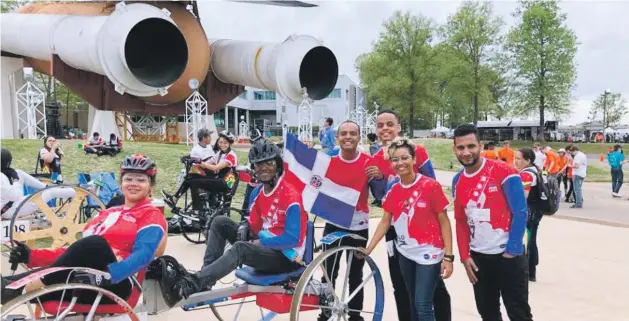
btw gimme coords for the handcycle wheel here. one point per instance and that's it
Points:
(64, 223)
(240, 307)
(24, 304)
(312, 296)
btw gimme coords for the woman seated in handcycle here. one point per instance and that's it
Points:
(12, 183)
(120, 240)
(50, 158)
(277, 222)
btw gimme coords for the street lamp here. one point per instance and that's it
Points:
(607, 91)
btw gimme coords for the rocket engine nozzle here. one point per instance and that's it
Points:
(286, 68)
(137, 47)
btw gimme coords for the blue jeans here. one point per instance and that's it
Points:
(617, 177)
(578, 190)
(421, 281)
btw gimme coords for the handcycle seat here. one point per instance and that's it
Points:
(52, 307)
(251, 276)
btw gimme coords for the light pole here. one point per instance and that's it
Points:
(607, 91)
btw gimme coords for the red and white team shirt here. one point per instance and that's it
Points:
(268, 213)
(481, 201)
(352, 173)
(414, 209)
(529, 179)
(421, 158)
(117, 225)
(231, 158)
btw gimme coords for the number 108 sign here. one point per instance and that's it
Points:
(19, 227)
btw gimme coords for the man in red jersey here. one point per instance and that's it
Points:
(387, 129)
(345, 160)
(277, 221)
(491, 213)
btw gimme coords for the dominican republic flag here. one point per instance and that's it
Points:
(309, 171)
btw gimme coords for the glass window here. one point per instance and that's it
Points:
(336, 93)
(243, 95)
(264, 95)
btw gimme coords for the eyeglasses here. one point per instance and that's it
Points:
(401, 159)
(138, 179)
(266, 163)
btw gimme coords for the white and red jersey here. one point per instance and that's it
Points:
(414, 209)
(352, 173)
(279, 219)
(529, 179)
(485, 204)
(121, 228)
(231, 158)
(421, 159)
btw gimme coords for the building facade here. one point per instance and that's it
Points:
(263, 108)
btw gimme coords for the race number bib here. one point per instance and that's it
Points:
(19, 227)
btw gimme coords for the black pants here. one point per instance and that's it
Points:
(245, 201)
(532, 252)
(617, 177)
(570, 194)
(82, 254)
(441, 299)
(498, 276)
(195, 182)
(217, 263)
(356, 269)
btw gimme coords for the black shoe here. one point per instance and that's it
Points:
(355, 318)
(186, 286)
(325, 315)
(8, 294)
(532, 278)
(170, 200)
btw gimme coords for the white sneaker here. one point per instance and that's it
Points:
(615, 195)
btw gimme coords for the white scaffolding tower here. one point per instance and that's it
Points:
(243, 128)
(304, 114)
(30, 111)
(196, 112)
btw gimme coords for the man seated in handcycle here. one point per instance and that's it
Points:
(12, 183)
(121, 240)
(276, 220)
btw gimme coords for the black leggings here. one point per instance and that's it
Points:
(82, 254)
(196, 182)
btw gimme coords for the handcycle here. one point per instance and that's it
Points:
(216, 197)
(299, 293)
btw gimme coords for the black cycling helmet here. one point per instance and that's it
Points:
(263, 152)
(138, 163)
(6, 159)
(255, 135)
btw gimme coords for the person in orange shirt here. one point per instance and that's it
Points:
(491, 152)
(562, 163)
(552, 161)
(506, 153)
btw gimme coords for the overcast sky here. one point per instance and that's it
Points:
(349, 28)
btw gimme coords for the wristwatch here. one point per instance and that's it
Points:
(449, 258)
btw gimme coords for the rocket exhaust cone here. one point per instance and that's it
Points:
(156, 52)
(318, 72)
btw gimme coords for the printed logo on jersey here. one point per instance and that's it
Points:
(316, 181)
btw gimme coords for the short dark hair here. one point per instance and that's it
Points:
(617, 147)
(389, 111)
(330, 121)
(371, 137)
(491, 144)
(464, 130)
(574, 147)
(345, 122)
(95, 134)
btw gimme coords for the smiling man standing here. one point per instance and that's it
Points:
(344, 161)
(491, 213)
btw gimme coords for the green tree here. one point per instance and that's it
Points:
(10, 5)
(542, 50)
(400, 69)
(474, 33)
(612, 108)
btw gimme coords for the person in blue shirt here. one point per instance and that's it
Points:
(616, 159)
(327, 135)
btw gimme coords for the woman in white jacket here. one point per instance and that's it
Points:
(12, 184)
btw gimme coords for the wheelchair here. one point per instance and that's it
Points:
(300, 293)
(216, 198)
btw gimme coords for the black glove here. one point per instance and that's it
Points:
(89, 278)
(20, 253)
(243, 232)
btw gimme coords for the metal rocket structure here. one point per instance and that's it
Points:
(139, 56)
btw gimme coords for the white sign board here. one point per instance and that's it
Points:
(21, 226)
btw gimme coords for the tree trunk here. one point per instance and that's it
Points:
(542, 108)
(476, 91)
(411, 112)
